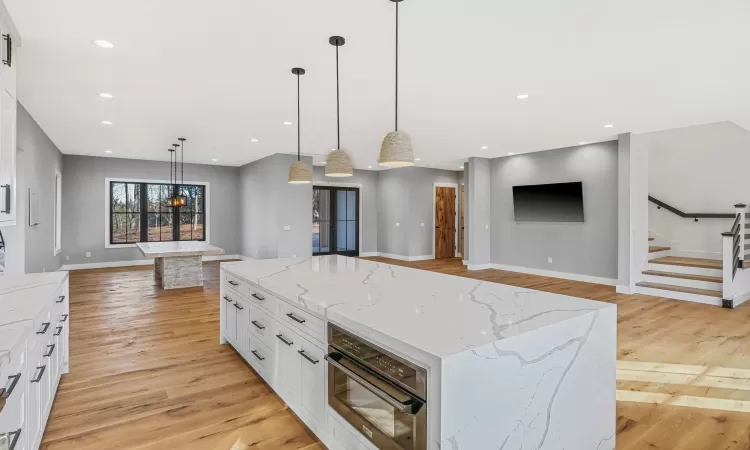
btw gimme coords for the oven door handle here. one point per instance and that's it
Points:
(411, 407)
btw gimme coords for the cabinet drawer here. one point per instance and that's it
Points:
(12, 388)
(262, 326)
(261, 357)
(302, 320)
(342, 436)
(257, 296)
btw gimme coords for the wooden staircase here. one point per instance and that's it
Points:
(692, 279)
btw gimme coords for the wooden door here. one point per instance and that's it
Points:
(445, 222)
(463, 228)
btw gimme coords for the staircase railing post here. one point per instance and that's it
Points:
(727, 271)
(741, 209)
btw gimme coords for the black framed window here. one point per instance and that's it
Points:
(140, 212)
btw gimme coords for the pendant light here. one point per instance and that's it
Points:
(396, 150)
(174, 199)
(181, 199)
(338, 163)
(299, 172)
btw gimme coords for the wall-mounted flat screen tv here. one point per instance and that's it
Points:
(559, 202)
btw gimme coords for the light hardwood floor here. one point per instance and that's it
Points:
(147, 371)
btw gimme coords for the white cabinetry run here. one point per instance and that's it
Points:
(34, 319)
(9, 42)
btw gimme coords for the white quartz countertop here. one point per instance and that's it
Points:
(176, 249)
(439, 314)
(22, 297)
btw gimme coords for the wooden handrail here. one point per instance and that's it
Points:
(685, 215)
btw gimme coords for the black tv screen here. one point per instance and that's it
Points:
(559, 202)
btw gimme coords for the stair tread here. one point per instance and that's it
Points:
(683, 276)
(654, 249)
(687, 262)
(687, 290)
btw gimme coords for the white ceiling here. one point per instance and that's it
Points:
(218, 73)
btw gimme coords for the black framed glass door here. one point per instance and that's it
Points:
(335, 221)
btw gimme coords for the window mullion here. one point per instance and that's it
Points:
(144, 212)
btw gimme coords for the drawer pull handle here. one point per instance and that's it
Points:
(44, 329)
(281, 338)
(260, 358)
(226, 297)
(60, 299)
(258, 326)
(307, 357)
(58, 331)
(238, 306)
(6, 392)
(41, 370)
(11, 437)
(259, 297)
(64, 318)
(233, 283)
(295, 318)
(51, 350)
(8, 199)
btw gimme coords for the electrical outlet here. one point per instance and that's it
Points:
(88, 254)
(422, 224)
(549, 260)
(486, 227)
(287, 228)
(398, 224)
(67, 258)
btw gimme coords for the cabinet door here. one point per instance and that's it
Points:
(231, 323)
(7, 151)
(313, 380)
(51, 353)
(288, 364)
(242, 321)
(35, 406)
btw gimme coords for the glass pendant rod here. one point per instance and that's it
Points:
(299, 145)
(397, 2)
(182, 150)
(338, 101)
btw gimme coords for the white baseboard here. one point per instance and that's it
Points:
(368, 254)
(136, 262)
(478, 266)
(554, 274)
(740, 299)
(404, 258)
(620, 289)
(465, 262)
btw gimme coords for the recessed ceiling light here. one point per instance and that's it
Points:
(608, 126)
(417, 159)
(108, 151)
(522, 96)
(287, 123)
(214, 160)
(253, 140)
(484, 147)
(106, 122)
(461, 167)
(369, 167)
(511, 153)
(581, 143)
(103, 44)
(105, 95)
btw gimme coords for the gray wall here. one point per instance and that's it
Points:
(269, 203)
(39, 160)
(482, 194)
(405, 196)
(368, 195)
(84, 203)
(588, 248)
(623, 208)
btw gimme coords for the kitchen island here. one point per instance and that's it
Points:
(371, 355)
(178, 264)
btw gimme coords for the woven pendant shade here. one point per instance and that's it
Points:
(299, 173)
(339, 165)
(396, 150)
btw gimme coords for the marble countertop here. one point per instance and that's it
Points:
(442, 315)
(176, 249)
(21, 299)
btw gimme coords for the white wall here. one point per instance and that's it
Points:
(698, 169)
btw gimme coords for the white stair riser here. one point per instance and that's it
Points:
(660, 254)
(682, 282)
(686, 270)
(705, 299)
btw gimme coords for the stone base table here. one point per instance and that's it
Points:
(178, 264)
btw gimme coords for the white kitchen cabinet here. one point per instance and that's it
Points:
(313, 380)
(288, 364)
(8, 113)
(35, 410)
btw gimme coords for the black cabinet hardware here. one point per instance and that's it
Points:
(226, 297)
(258, 326)
(233, 283)
(60, 299)
(13, 437)
(6, 392)
(281, 338)
(7, 198)
(41, 370)
(238, 306)
(295, 318)
(64, 318)
(45, 327)
(307, 357)
(51, 349)
(259, 297)
(58, 331)
(260, 358)
(9, 49)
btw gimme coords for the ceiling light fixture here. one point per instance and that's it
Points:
(106, 122)
(105, 95)
(287, 123)
(178, 200)
(369, 167)
(108, 151)
(214, 160)
(522, 96)
(253, 140)
(461, 167)
(511, 153)
(484, 147)
(417, 159)
(396, 150)
(581, 143)
(608, 126)
(340, 165)
(103, 44)
(299, 172)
